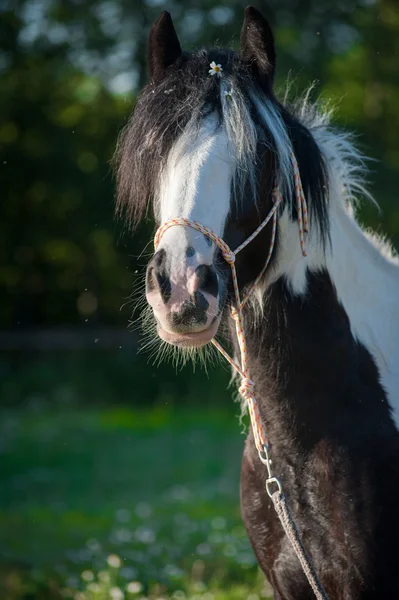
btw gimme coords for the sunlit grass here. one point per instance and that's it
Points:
(108, 584)
(156, 490)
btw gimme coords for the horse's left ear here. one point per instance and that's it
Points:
(257, 45)
(163, 45)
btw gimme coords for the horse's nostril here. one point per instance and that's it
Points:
(208, 281)
(157, 276)
(200, 301)
(159, 259)
(149, 279)
(164, 285)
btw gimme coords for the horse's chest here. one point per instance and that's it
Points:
(327, 533)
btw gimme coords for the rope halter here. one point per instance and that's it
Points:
(247, 385)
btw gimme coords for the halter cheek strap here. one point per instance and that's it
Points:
(246, 389)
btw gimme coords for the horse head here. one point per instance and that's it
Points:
(208, 142)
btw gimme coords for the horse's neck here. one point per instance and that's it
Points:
(328, 321)
(366, 278)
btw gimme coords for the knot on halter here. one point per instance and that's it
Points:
(229, 256)
(246, 388)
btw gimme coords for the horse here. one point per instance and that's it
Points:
(209, 143)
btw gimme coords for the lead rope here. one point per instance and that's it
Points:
(246, 388)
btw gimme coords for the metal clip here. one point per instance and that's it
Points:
(270, 482)
(266, 460)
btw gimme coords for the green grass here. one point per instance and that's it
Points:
(158, 488)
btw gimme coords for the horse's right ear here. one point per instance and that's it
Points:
(163, 45)
(257, 45)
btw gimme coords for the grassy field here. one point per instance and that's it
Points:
(112, 503)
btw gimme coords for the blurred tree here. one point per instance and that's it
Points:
(58, 132)
(69, 72)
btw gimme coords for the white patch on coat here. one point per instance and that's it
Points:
(367, 283)
(363, 268)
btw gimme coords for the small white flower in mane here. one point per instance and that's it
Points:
(228, 94)
(215, 69)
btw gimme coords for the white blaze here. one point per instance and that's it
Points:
(196, 185)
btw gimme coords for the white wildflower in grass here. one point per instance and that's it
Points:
(179, 595)
(143, 510)
(94, 588)
(123, 515)
(93, 545)
(116, 593)
(134, 587)
(104, 576)
(215, 69)
(173, 571)
(179, 493)
(204, 549)
(120, 536)
(199, 587)
(145, 535)
(114, 561)
(87, 575)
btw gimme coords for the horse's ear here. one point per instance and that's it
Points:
(163, 45)
(257, 45)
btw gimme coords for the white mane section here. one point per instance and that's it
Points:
(244, 137)
(241, 133)
(274, 124)
(364, 268)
